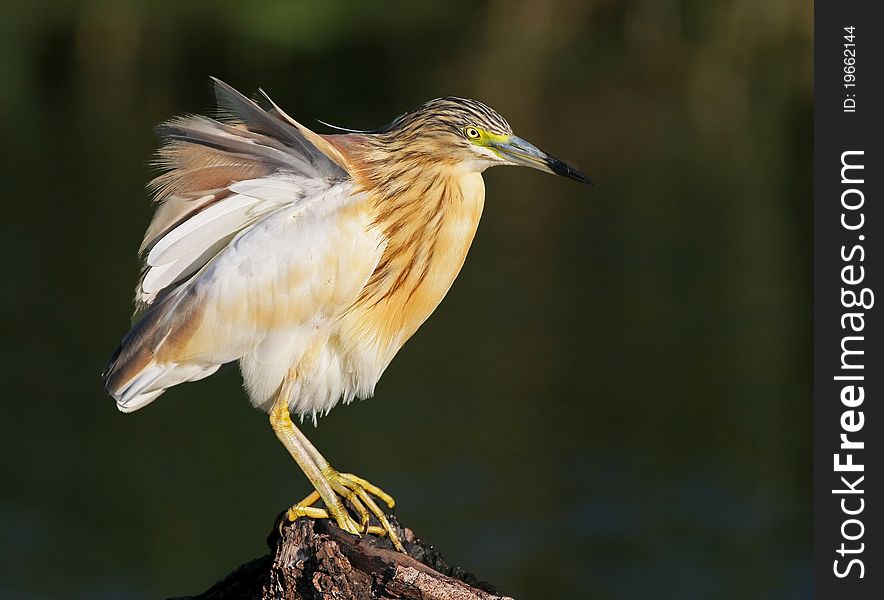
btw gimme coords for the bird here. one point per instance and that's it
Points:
(309, 259)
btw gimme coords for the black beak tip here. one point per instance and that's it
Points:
(560, 167)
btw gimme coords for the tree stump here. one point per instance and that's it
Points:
(315, 560)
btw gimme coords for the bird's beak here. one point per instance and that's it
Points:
(519, 152)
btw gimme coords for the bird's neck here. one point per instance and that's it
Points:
(428, 213)
(412, 200)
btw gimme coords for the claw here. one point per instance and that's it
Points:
(299, 510)
(379, 514)
(335, 489)
(371, 488)
(357, 492)
(351, 496)
(311, 499)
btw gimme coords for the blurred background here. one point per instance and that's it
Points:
(612, 402)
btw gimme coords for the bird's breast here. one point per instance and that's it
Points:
(427, 243)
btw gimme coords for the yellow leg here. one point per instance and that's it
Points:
(330, 485)
(320, 513)
(299, 510)
(361, 492)
(370, 488)
(288, 434)
(305, 508)
(310, 500)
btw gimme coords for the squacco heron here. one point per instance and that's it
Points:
(310, 259)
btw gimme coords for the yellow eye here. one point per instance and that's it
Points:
(472, 133)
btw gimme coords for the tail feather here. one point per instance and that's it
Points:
(133, 358)
(134, 377)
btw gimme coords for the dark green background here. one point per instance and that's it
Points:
(613, 400)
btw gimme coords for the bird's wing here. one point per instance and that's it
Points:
(224, 175)
(269, 291)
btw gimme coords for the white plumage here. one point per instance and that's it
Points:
(279, 264)
(188, 247)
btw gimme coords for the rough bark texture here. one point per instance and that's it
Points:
(314, 560)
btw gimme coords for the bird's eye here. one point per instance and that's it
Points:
(472, 133)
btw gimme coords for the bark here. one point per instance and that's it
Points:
(315, 560)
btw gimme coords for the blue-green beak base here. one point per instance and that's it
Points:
(521, 152)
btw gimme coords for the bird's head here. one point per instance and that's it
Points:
(469, 133)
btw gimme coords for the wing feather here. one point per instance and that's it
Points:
(249, 238)
(222, 177)
(262, 300)
(215, 222)
(277, 125)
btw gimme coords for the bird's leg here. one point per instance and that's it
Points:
(330, 485)
(370, 488)
(310, 500)
(288, 434)
(362, 493)
(356, 491)
(305, 508)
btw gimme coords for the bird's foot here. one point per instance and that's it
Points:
(358, 493)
